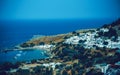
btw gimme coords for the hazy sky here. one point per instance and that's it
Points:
(59, 9)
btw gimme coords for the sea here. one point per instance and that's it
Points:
(15, 32)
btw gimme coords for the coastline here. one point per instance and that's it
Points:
(81, 52)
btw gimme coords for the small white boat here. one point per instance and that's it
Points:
(18, 55)
(15, 57)
(20, 51)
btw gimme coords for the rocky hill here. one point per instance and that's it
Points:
(115, 25)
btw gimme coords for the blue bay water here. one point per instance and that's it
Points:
(26, 55)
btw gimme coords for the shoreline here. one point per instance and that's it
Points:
(25, 49)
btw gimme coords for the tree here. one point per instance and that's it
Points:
(73, 72)
(3, 73)
(38, 70)
(81, 41)
(32, 44)
(41, 43)
(69, 52)
(33, 61)
(116, 22)
(24, 45)
(105, 43)
(100, 33)
(64, 72)
(16, 65)
(112, 32)
(119, 28)
(23, 72)
(105, 26)
(74, 32)
(66, 37)
(77, 34)
(7, 66)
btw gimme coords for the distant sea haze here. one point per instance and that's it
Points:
(16, 32)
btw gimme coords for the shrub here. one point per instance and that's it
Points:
(33, 61)
(74, 32)
(23, 72)
(119, 28)
(24, 45)
(105, 43)
(69, 52)
(41, 43)
(32, 44)
(3, 73)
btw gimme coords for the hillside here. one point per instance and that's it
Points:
(115, 25)
(81, 52)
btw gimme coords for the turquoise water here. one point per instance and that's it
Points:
(26, 55)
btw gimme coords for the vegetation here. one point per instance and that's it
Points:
(75, 59)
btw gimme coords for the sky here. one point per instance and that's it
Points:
(58, 9)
